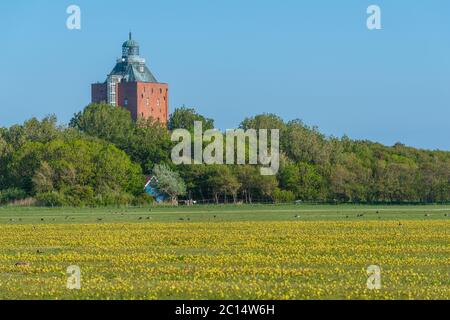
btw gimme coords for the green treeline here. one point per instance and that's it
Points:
(102, 158)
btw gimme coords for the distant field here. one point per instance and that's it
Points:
(11, 215)
(226, 252)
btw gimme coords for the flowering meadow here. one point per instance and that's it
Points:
(207, 259)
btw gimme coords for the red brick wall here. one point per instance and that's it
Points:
(99, 93)
(145, 100)
(153, 101)
(140, 98)
(127, 97)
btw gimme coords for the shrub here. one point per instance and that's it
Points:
(283, 196)
(79, 196)
(51, 199)
(11, 194)
(113, 197)
(143, 200)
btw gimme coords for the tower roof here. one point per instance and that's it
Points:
(130, 42)
(132, 68)
(133, 72)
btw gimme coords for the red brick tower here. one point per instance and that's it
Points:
(131, 85)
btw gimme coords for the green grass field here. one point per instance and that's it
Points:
(226, 252)
(10, 215)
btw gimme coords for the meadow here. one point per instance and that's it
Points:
(226, 252)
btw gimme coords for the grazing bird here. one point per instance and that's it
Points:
(39, 251)
(99, 219)
(42, 219)
(22, 264)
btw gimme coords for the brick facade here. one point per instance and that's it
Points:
(98, 93)
(145, 100)
(136, 90)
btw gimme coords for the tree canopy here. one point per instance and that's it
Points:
(102, 157)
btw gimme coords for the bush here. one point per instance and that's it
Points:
(143, 200)
(11, 194)
(113, 197)
(51, 199)
(79, 196)
(283, 196)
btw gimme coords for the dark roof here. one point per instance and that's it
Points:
(131, 72)
(136, 76)
(132, 68)
(130, 43)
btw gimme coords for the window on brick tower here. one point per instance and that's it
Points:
(158, 102)
(125, 102)
(147, 102)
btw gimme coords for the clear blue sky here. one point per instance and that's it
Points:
(314, 60)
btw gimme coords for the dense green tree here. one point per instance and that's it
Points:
(254, 185)
(263, 121)
(195, 178)
(150, 144)
(106, 122)
(147, 142)
(82, 171)
(222, 181)
(3, 147)
(101, 158)
(304, 144)
(32, 130)
(184, 118)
